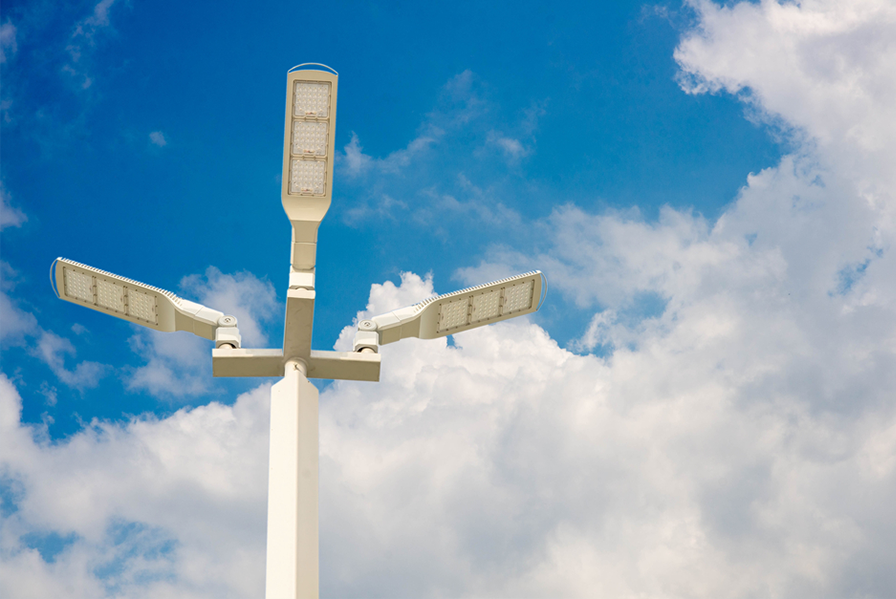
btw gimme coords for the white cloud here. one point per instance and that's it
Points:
(821, 66)
(513, 148)
(158, 138)
(425, 181)
(682, 468)
(458, 105)
(710, 460)
(8, 45)
(357, 163)
(9, 215)
(49, 392)
(176, 364)
(82, 42)
(355, 160)
(15, 323)
(52, 350)
(171, 507)
(523, 145)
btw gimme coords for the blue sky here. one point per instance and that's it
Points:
(705, 186)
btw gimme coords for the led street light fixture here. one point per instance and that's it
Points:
(139, 303)
(308, 143)
(308, 146)
(459, 311)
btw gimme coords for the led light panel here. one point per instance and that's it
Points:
(463, 310)
(486, 306)
(131, 300)
(311, 99)
(115, 295)
(453, 314)
(477, 306)
(110, 295)
(307, 177)
(142, 306)
(309, 138)
(78, 285)
(518, 297)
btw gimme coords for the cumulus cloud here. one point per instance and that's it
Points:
(821, 67)
(123, 510)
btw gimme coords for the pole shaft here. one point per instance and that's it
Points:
(292, 548)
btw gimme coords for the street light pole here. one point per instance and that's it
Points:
(292, 547)
(292, 569)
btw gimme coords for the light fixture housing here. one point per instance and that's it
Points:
(139, 303)
(308, 152)
(459, 311)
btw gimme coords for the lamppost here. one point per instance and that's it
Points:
(308, 145)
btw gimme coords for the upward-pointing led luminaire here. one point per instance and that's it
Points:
(463, 310)
(310, 137)
(133, 301)
(110, 293)
(486, 306)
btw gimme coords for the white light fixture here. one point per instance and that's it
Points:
(456, 312)
(308, 150)
(140, 303)
(308, 146)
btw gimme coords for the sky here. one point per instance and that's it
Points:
(704, 406)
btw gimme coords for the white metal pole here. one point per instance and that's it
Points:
(292, 552)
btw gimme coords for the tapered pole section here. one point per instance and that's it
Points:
(292, 553)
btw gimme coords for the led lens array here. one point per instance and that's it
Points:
(309, 138)
(518, 297)
(486, 305)
(78, 286)
(311, 99)
(110, 295)
(307, 177)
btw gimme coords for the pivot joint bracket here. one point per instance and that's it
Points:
(366, 338)
(227, 334)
